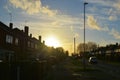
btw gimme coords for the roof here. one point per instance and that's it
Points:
(18, 31)
(3, 26)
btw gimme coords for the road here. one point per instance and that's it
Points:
(113, 70)
(59, 72)
(68, 70)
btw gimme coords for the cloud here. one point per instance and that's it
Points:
(76, 35)
(101, 2)
(71, 28)
(32, 6)
(105, 29)
(115, 33)
(117, 5)
(62, 22)
(46, 10)
(112, 18)
(65, 21)
(55, 23)
(27, 5)
(112, 14)
(110, 11)
(6, 7)
(73, 32)
(108, 7)
(92, 23)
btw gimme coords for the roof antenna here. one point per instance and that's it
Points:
(10, 17)
(26, 22)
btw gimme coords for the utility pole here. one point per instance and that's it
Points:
(74, 46)
(84, 63)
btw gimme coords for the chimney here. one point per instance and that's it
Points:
(11, 25)
(44, 42)
(40, 39)
(22, 30)
(30, 35)
(26, 30)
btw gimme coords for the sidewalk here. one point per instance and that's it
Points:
(59, 72)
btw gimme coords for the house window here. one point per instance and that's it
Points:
(9, 39)
(16, 41)
(32, 45)
(28, 43)
(36, 46)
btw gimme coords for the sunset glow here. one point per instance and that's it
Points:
(59, 18)
(52, 42)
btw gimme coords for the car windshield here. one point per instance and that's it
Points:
(93, 58)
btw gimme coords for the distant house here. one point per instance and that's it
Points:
(16, 44)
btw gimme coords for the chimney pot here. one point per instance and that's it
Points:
(30, 35)
(40, 39)
(44, 42)
(26, 30)
(11, 25)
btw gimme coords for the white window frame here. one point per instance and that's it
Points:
(9, 39)
(16, 41)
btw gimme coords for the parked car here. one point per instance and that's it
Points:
(93, 60)
(1, 61)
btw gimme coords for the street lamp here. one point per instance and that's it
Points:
(84, 64)
(74, 46)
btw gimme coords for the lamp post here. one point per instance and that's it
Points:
(74, 46)
(84, 63)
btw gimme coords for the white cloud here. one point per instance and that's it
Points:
(117, 5)
(71, 28)
(46, 10)
(108, 7)
(57, 22)
(76, 35)
(65, 21)
(39, 12)
(6, 7)
(27, 5)
(115, 33)
(105, 28)
(110, 11)
(112, 14)
(112, 18)
(92, 23)
(32, 6)
(101, 2)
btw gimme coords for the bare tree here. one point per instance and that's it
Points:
(91, 46)
(88, 47)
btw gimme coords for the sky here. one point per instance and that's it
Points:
(64, 19)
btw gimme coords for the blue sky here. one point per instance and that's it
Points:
(64, 19)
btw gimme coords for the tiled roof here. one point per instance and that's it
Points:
(3, 26)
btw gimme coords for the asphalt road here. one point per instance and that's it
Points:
(68, 71)
(111, 69)
(59, 72)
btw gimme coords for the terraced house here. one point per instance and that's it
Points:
(16, 44)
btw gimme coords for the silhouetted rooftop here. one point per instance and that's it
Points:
(3, 26)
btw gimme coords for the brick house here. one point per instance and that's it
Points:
(16, 44)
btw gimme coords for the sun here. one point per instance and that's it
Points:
(52, 42)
